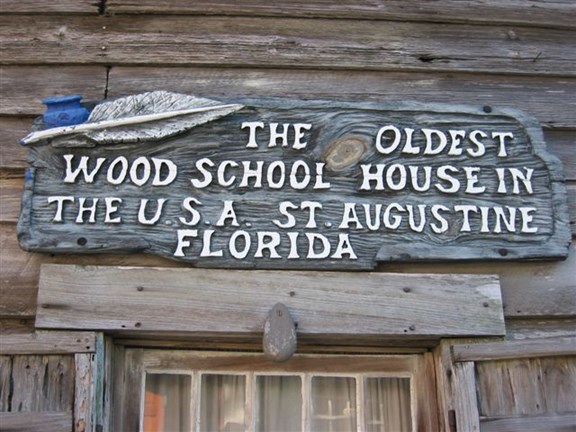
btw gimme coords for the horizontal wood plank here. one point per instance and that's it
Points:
(48, 342)
(536, 13)
(36, 421)
(538, 289)
(12, 154)
(20, 271)
(526, 329)
(10, 192)
(548, 347)
(544, 289)
(561, 144)
(551, 101)
(216, 301)
(287, 43)
(23, 88)
(549, 423)
(60, 7)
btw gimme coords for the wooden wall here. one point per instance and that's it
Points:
(502, 53)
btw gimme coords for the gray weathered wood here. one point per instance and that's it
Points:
(42, 383)
(548, 347)
(20, 271)
(13, 128)
(36, 421)
(526, 329)
(290, 43)
(551, 99)
(465, 401)
(532, 13)
(48, 342)
(528, 289)
(11, 183)
(538, 386)
(5, 377)
(60, 7)
(215, 301)
(44, 81)
(522, 283)
(127, 398)
(548, 423)
(84, 393)
(429, 416)
(334, 129)
(13, 156)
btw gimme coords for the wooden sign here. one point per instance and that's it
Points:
(295, 184)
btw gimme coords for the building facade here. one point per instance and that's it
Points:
(132, 341)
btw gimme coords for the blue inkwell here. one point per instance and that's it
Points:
(64, 111)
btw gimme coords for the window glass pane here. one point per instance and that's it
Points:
(279, 403)
(167, 402)
(222, 403)
(333, 404)
(387, 404)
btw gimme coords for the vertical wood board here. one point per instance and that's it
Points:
(551, 101)
(465, 401)
(42, 383)
(527, 387)
(532, 13)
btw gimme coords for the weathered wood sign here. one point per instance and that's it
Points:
(295, 184)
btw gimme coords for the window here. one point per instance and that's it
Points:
(206, 391)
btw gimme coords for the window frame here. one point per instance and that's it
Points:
(136, 362)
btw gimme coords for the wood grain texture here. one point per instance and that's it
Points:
(289, 43)
(465, 400)
(60, 7)
(332, 125)
(48, 342)
(522, 283)
(538, 386)
(5, 384)
(427, 412)
(528, 289)
(11, 184)
(36, 421)
(551, 100)
(548, 347)
(549, 423)
(42, 383)
(23, 97)
(539, 13)
(527, 329)
(84, 392)
(13, 155)
(20, 271)
(337, 303)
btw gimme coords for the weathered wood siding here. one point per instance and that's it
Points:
(516, 54)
